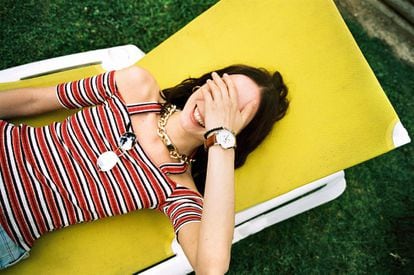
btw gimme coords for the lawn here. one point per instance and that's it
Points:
(369, 229)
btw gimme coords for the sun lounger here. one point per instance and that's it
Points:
(339, 116)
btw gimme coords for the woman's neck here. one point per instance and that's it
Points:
(183, 141)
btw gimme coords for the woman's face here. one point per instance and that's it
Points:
(192, 115)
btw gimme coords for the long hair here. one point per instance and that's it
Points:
(272, 107)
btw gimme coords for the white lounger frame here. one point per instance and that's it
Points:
(249, 221)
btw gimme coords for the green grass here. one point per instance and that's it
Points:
(33, 30)
(368, 230)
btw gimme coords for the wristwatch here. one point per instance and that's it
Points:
(223, 137)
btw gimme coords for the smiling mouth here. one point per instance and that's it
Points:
(198, 117)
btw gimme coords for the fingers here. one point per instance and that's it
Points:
(217, 87)
(223, 87)
(206, 94)
(231, 89)
(247, 111)
(220, 83)
(214, 90)
(221, 103)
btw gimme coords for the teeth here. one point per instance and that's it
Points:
(197, 116)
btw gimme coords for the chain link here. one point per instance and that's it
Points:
(162, 122)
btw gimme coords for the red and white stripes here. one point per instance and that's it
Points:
(86, 92)
(183, 206)
(49, 177)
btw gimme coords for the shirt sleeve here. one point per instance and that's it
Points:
(87, 92)
(182, 207)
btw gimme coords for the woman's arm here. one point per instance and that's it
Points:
(208, 244)
(135, 84)
(27, 102)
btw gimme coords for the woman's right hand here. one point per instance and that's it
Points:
(221, 104)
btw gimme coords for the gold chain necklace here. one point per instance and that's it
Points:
(162, 122)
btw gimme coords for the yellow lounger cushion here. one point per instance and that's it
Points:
(339, 116)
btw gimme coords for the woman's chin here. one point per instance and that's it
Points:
(192, 122)
(191, 126)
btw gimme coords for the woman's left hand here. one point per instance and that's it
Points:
(221, 104)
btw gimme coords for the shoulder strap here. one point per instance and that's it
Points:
(174, 168)
(139, 108)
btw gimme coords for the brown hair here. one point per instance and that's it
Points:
(272, 107)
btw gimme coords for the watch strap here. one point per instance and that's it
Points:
(213, 140)
(206, 134)
(210, 141)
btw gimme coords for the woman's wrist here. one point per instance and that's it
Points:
(221, 136)
(215, 129)
(219, 151)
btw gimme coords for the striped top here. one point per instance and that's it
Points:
(49, 178)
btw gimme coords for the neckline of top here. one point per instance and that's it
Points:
(155, 107)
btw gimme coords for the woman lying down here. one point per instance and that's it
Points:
(134, 147)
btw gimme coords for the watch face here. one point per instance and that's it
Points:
(226, 139)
